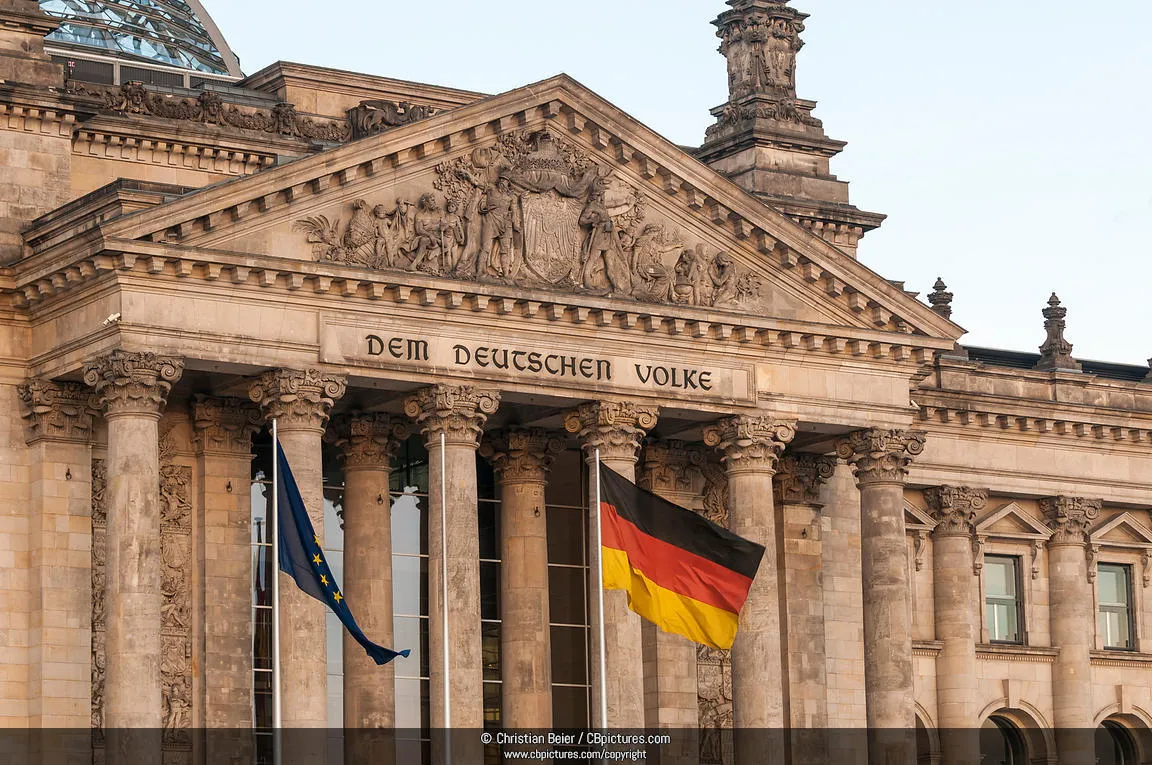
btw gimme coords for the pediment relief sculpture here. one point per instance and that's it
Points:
(533, 211)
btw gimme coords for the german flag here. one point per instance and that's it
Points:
(682, 572)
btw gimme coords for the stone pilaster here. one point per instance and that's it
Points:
(521, 458)
(222, 435)
(457, 414)
(300, 401)
(59, 428)
(1073, 620)
(673, 470)
(367, 443)
(955, 592)
(750, 446)
(880, 460)
(615, 428)
(132, 388)
(797, 484)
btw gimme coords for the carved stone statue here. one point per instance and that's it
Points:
(688, 287)
(601, 256)
(724, 279)
(427, 244)
(498, 227)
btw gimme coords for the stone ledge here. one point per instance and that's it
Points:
(930, 648)
(1004, 652)
(1128, 659)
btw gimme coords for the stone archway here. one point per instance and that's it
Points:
(1122, 739)
(1015, 736)
(927, 739)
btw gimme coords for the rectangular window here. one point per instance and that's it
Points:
(1115, 589)
(1003, 605)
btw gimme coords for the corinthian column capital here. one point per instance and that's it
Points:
(55, 411)
(750, 442)
(522, 455)
(613, 427)
(672, 467)
(297, 399)
(457, 411)
(367, 441)
(1069, 518)
(128, 382)
(799, 477)
(955, 508)
(881, 456)
(224, 425)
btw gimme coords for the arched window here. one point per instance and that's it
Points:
(1001, 743)
(1114, 745)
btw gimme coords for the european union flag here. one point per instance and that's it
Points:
(302, 559)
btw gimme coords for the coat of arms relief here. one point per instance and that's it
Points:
(534, 211)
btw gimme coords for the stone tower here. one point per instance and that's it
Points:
(765, 138)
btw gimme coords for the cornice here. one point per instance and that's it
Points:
(1079, 423)
(998, 652)
(289, 73)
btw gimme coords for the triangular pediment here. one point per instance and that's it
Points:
(1124, 530)
(546, 188)
(1012, 522)
(917, 519)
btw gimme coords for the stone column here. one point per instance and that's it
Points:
(521, 459)
(958, 622)
(800, 550)
(880, 460)
(223, 438)
(367, 443)
(749, 446)
(458, 412)
(1073, 613)
(615, 428)
(59, 427)
(300, 402)
(132, 388)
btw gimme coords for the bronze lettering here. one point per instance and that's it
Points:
(660, 376)
(417, 350)
(706, 384)
(375, 345)
(459, 349)
(568, 362)
(496, 362)
(481, 356)
(547, 366)
(586, 367)
(603, 369)
(395, 346)
(642, 374)
(515, 362)
(534, 362)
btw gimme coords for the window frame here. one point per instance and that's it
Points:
(1130, 609)
(1018, 601)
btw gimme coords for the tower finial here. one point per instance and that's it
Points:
(941, 299)
(1056, 352)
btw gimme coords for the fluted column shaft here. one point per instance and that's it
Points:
(615, 428)
(458, 413)
(880, 460)
(300, 402)
(957, 622)
(1073, 625)
(750, 446)
(133, 389)
(521, 459)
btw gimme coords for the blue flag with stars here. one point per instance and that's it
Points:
(302, 559)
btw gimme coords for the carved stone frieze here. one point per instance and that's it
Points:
(1056, 352)
(799, 477)
(955, 508)
(297, 398)
(129, 382)
(760, 40)
(99, 588)
(672, 467)
(224, 425)
(881, 456)
(715, 491)
(209, 108)
(522, 455)
(377, 115)
(750, 442)
(457, 411)
(714, 700)
(176, 600)
(367, 440)
(534, 211)
(61, 411)
(1070, 518)
(614, 427)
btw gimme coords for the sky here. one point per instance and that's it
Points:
(1008, 141)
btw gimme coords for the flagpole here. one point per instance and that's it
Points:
(600, 601)
(277, 744)
(444, 600)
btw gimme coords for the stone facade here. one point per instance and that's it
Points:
(514, 279)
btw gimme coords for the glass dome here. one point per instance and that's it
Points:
(176, 33)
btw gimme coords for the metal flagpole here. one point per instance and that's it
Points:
(277, 743)
(600, 600)
(444, 600)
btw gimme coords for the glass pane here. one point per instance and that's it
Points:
(412, 634)
(262, 575)
(412, 704)
(566, 481)
(565, 536)
(261, 533)
(491, 705)
(262, 638)
(566, 595)
(410, 585)
(489, 590)
(1113, 584)
(999, 577)
(263, 699)
(489, 530)
(569, 655)
(1114, 626)
(490, 649)
(409, 525)
(569, 707)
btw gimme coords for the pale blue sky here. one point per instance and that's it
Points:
(1007, 140)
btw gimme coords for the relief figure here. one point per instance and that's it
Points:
(427, 244)
(601, 256)
(498, 227)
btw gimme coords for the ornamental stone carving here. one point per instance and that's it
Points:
(672, 467)
(377, 115)
(129, 382)
(614, 427)
(176, 601)
(224, 425)
(1070, 518)
(955, 508)
(715, 491)
(522, 455)
(881, 456)
(57, 411)
(714, 704)
(760, 39)
(750, 442)
(367, 440)
(99, 588)
(457, 411)
(297, 399)
(799, 477)
(1056, 352)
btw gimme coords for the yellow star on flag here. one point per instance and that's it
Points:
(316, 539)
(337, 597)
(316, 559)
(324, 580)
